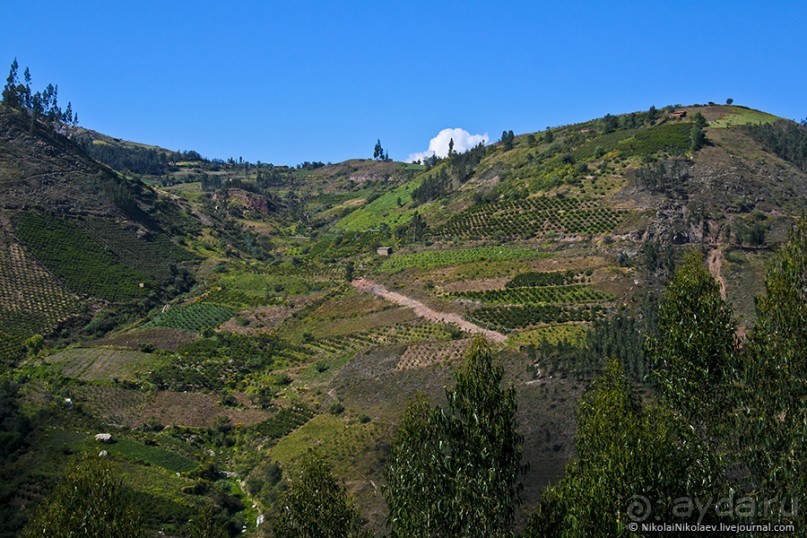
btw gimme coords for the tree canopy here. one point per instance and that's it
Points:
(626, 450)
(316, 505)
(90, 501)
(456, 471)
(41, 105)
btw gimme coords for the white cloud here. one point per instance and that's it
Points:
(463, 141)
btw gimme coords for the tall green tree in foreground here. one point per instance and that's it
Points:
(773, 407)
(456, 471)
(694, 361)
(89, 502)
(649, 453)
(627, 453)
(316, 505)
(693, 354)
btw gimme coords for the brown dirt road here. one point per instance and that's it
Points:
(715, 263)
(423, 311)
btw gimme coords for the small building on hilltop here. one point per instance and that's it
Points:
(679, 114)
(384, 251)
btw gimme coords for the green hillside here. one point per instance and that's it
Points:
(221, 318)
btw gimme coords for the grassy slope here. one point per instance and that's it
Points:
(392, 208)
(344, 347)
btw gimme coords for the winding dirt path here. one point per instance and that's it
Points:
(715, 263)
(424, 311)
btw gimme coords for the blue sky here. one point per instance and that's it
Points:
(286, 82)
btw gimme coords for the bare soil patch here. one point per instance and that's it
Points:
(483, 284)
(423, 311)
(715, 263)
(257, 320)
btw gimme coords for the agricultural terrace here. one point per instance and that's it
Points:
(336, 346)
(524, 219)
(241, 289)
(572, 333)
(218, 361)
(193, 410)
(572, 293)
(283, 422)
(432, 259)
(157, 337)
(151, 455)
(548, 278)
(670, 138)
(31, 299)
(83, 264)
(109, 403)
(154, 254)
(99, 364)
(432, 353)
(509, 318)
(343, 444)
(551, 299)
(195, 317)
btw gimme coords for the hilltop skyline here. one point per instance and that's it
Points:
(314, 81)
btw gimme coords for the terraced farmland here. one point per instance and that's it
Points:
(553, 334)
(431, 353)
(514, 219)
(549, 278)
(151, 455)
(432, 259)
(261, 289)
(96, 364)
(153, 254)
(194, 317)
(31, 299)
(193, 410)
(672, 138)
(508, 318)
(342, 443)
(336, 346)
(573, 293)
(159, 337)
(284, 422)
(10, 346)
(113, 404)
(82, 264)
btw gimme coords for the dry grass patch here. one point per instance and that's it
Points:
(194, 410)
(324, 328)
(349, 305)
(102, 364)
(159, 337)
(484, 284)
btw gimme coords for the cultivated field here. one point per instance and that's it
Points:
(102, 364)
